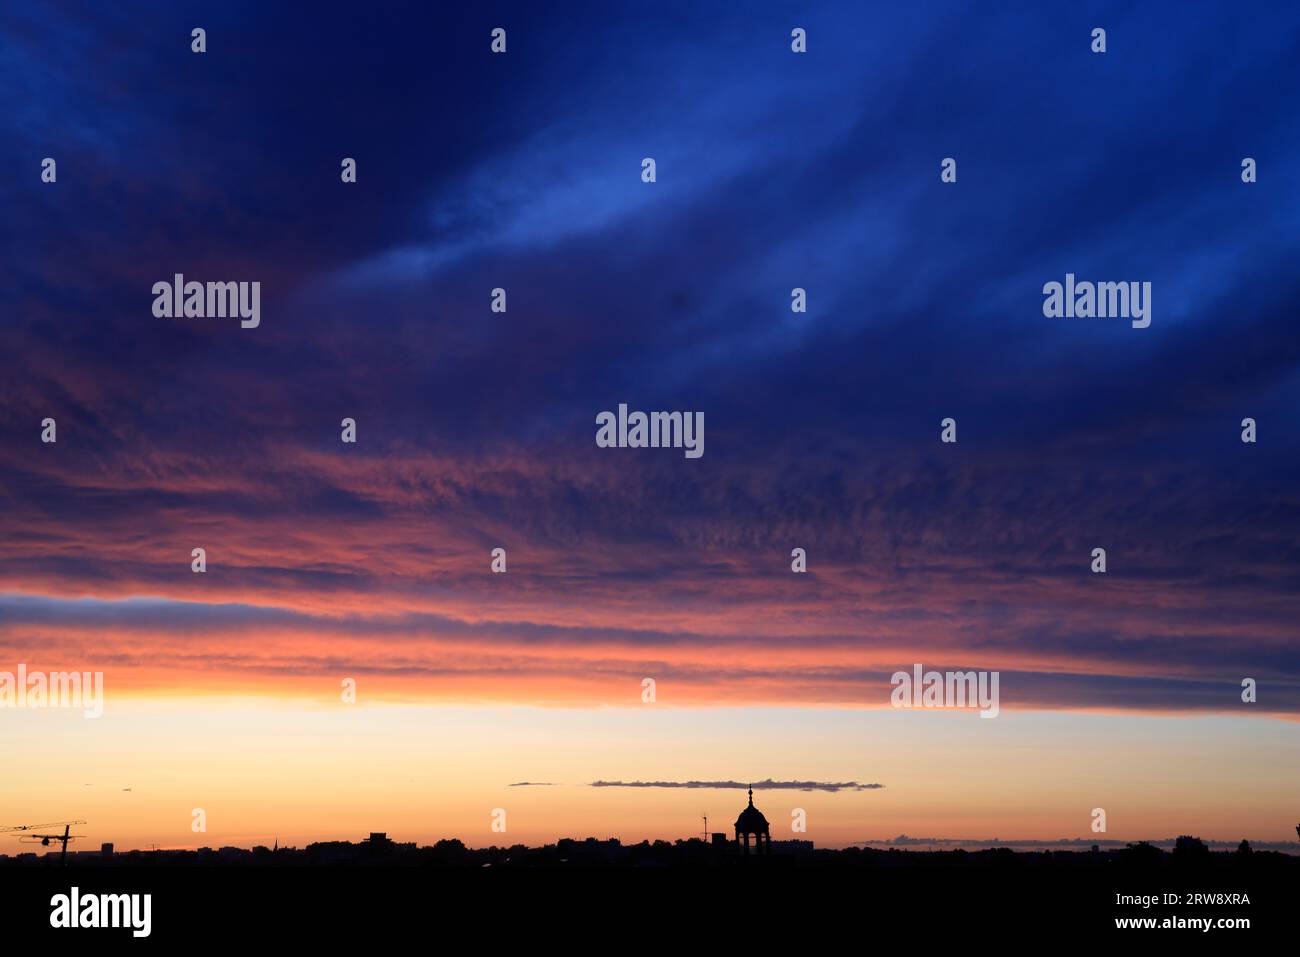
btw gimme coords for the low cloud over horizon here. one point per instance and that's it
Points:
(765, 785)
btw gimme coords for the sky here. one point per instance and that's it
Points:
(370, 561)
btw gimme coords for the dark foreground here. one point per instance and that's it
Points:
(858, 897)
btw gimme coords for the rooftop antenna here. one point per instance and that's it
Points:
(706, 829)
(44, 839)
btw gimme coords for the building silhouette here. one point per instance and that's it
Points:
(752, 822)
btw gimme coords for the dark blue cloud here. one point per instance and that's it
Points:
(775, 171)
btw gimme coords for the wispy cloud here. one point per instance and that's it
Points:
(373, 557)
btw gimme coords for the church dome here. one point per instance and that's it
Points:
(751, 820)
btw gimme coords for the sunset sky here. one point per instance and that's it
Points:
(476, 430)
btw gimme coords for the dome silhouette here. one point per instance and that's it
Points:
(752, 823)
(751, 819)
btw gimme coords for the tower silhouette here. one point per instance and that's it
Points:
(752, 822)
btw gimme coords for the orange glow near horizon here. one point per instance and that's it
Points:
(264, 771)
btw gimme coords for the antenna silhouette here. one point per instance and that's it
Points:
(44, 839)
(706, 829)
